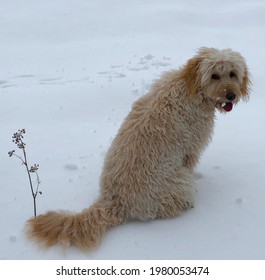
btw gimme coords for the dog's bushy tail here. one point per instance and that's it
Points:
(84, 229)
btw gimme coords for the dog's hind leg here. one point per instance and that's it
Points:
(177, 194)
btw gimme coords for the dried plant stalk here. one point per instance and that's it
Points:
(18, 140)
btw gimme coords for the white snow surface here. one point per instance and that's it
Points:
(69, 73)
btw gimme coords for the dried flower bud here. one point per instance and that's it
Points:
(21, 145)
(10, 153)
(17, 138)
(34, 168)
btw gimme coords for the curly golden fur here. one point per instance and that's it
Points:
(148, 170)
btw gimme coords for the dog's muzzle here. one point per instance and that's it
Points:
(228, 105)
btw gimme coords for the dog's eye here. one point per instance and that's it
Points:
(232, 75)
(215, 77)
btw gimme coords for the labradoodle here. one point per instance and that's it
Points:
(148, 170)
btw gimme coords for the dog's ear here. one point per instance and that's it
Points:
(246, 83)
(191, 75)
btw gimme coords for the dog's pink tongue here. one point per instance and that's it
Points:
(228, 106)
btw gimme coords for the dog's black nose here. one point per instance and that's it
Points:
(230, 96)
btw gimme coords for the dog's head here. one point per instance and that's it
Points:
(220, 76)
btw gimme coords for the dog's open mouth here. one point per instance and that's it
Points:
(227, 106)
